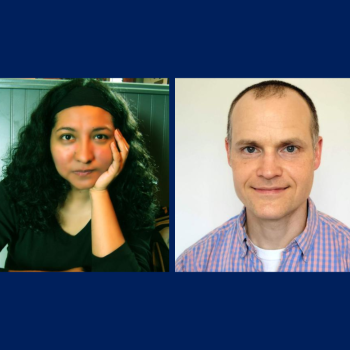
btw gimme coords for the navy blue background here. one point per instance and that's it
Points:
(267, 40)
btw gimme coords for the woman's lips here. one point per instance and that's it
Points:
(269, 191)
(83, 172)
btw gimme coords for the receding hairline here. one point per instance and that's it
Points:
(275, 88)
(267, 92)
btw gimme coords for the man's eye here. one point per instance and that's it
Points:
(291, 149)
(249, 149)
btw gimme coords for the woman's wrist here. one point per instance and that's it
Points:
(97, 195)
(94, 190)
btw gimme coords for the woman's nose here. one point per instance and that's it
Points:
(84, 152)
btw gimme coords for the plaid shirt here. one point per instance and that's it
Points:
(323, 246)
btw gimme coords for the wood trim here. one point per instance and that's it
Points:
(46, 84)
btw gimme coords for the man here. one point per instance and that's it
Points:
(273, 147)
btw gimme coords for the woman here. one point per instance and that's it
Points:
(78, 192)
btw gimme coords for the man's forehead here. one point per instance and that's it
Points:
(288, 99)
(270, 115)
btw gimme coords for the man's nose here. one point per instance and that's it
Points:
(269, 166)
(84, 151)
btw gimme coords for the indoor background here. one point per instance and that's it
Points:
(148, 99)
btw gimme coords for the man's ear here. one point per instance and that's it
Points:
(228, 151)
(318, 153)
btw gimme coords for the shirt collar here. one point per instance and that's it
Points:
(242, 234)
(303, 240)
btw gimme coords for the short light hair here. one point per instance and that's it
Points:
(277, 88)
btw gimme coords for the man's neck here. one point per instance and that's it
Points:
(276, 234)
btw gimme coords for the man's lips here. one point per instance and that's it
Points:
(270, 190)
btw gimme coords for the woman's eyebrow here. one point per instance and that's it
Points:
(100, 128)
(65, 128)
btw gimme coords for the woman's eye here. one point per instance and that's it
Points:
(66, 137)
(101, 137)
(249, 149)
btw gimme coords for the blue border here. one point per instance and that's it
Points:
(181, 310)
(172, 173)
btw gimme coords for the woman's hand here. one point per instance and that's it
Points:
(119, 159)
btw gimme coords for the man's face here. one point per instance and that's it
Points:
(272, 155)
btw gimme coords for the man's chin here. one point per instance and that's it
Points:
(268, 211)
(270, 216)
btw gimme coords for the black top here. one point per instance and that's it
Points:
(58, 251)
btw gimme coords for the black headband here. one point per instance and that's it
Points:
(83, 96)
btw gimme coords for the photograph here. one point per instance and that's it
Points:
(84, 175)
(261, 175)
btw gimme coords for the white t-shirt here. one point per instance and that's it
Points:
(270, 258)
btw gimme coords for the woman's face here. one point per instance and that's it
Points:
(80, 144)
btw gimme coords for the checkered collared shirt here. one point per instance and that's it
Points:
(323, 246)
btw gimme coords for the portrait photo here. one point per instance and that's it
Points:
(261, 174)
(84, 175)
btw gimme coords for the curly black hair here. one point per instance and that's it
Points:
(37, 190)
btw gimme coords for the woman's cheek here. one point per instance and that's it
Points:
(104, 156)
(62, 159)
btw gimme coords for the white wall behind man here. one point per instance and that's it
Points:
(204, 192)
